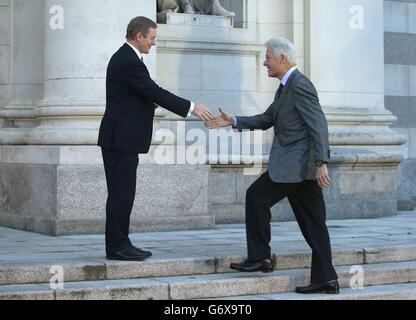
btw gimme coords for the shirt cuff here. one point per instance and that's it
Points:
(191, 109)
(234, 124)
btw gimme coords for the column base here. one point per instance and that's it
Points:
(60, 190)
(18, 121)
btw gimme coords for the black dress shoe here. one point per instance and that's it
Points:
(127, 254)
(264, 266)
(142, 252)
(331, 287)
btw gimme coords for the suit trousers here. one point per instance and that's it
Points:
(121, 171)
(307, 202)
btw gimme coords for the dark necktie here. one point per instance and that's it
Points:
(279, 92)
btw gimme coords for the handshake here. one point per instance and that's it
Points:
(211, 122)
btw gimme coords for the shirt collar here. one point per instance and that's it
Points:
(287, 75)
(136, 50)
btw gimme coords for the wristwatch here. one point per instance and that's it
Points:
(320, 163)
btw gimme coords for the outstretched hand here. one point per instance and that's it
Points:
(224, 120)
(203, 113)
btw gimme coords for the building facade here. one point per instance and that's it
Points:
(52, 97)
(400, 88)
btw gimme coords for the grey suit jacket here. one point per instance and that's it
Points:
(301, 131)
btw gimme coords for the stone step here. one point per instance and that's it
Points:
(98, 268)
(405, 291)
(206, 286)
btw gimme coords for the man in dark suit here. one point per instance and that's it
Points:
(126, 131)
(297, 169)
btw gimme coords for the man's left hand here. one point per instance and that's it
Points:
(322, 175)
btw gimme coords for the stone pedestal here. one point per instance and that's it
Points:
(200, 20)
(62, 190)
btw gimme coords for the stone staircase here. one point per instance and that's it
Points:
(389, 273)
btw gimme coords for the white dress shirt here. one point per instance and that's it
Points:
(136, 50)
(287, 75)
(192, 108)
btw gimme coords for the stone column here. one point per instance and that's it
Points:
(26, 70)
(80, 37)
(56, 184)
(5, 47)
(345, 60)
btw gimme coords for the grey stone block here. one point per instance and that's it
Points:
(26, 292)
(380, 274)
(4, 65)
(172, 223)
(399, 48)
(182, 288)
(385, 292)
(403, 108)
(178, 189)
(160, 268)
(364, 183)
(393, 254)
(40, 272)
(4, 25)
(59, 200)
(82, 192)
(26, 189)
(114, 290)
(28, 256)
(234, 213)
(222, 187)
(348, 257)
(301, 260)
(407, 187)
(366, 209)
(223, 262)
(282, 211)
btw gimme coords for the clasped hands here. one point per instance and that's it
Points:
(211, 122)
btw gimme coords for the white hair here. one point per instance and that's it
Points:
(282, 46)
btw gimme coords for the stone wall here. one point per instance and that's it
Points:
(26, 69)
(400, 87)
(4, 52)
(62, 190)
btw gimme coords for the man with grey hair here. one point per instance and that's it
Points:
(297, 169)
